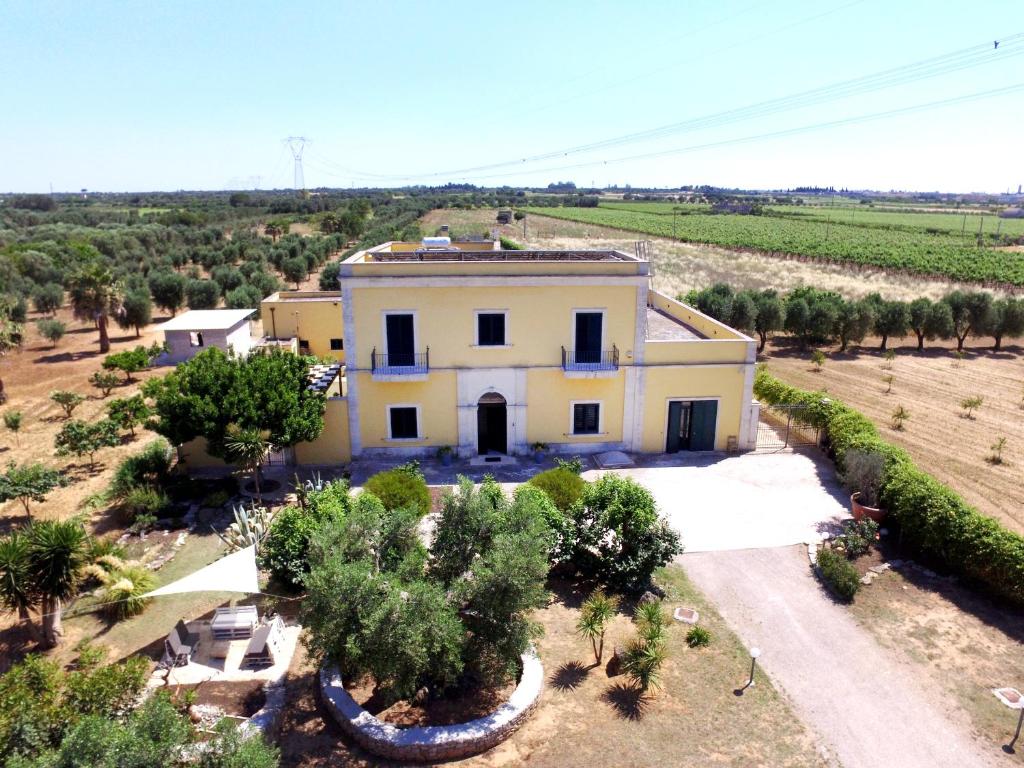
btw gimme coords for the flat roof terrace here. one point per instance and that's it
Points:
(664, 327)
(432, 254)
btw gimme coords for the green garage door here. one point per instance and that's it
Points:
(702, 427)
(691, 425)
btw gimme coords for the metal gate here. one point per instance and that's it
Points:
(785, 426)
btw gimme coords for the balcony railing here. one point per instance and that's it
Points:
(399, 363)
(590, 360)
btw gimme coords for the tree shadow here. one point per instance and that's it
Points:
(629, 702)
(68, 357)
(570, 676)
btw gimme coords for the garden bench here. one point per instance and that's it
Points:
(265, 648)
(181, 644)
(235, 623)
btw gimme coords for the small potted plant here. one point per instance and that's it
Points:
(445, 453)
(539, 450)
(862, 474)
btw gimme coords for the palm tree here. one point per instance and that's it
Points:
(96, 294)
(249, 448)
(56, 555)
(16, 593)
(595, 614)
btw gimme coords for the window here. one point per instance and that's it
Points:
(195, 339)
(586, 418)
(304, 345)
(402, 421)
(337, 344)
(490, 329)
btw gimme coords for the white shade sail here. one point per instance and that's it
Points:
(233, 573)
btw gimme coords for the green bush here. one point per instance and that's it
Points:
(285, 550)
(838, 573)
(148, 467)
(857, 537)
(562, 485)
(698, 637)
(618, 536)
(402, 487)
(934, 522)
(143, 501)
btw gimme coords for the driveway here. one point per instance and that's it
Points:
(748, 501)
(865, 706)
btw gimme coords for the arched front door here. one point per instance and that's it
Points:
(492, 424)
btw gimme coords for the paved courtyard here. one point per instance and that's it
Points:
(749, 501)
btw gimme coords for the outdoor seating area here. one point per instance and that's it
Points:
(234, 645)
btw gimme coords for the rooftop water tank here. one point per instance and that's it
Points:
(437, 242)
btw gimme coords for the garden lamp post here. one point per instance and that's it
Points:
(1013, 699)
(755, 652)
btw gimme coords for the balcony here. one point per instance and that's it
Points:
(590, 363)
(399, 366)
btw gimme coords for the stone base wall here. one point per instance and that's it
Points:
(433, 743)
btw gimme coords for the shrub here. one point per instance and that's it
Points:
(595, 613)
(143, 501)
(123, 596)
(67, 400)
(285, 550)
(618, 536)
(105, 381)
(562, 485)
(933, 521)
(838, 573)
(51, 329)
(857, 537)
(400, 487)
(149, 467)
(698, 637)
(862, 473)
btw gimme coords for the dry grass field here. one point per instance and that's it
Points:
(939, 435)
(29, 375)
(678, 267)
(588, 719)
(953, 636)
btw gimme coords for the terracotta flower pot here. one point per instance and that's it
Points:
(860, 511)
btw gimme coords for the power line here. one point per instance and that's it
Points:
(954, 61)
(775, 134)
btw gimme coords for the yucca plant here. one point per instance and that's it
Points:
(650, 621)
(698, 637)
(249, 448)
(56, 555)
(595, 614)
(16, 588)
(643, 662)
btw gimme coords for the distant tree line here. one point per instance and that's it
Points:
(815, 316)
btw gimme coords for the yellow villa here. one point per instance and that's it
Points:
(492, 351)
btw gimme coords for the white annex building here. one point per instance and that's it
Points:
(191, 332)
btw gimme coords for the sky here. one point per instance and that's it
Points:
(161, 95)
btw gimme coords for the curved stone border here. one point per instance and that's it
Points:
(436, 742)
(268, 717)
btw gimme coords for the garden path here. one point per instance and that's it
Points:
(866, 706)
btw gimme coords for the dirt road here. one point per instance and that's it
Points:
(868, 707)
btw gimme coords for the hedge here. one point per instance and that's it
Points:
(839, 573)
(934, 521)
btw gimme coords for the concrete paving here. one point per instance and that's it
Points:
(867, 707)
(719, 502)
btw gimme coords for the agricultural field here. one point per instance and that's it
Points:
(680, 267)
(918, 243)
(940, 436)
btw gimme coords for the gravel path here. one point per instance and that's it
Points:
(868, 709)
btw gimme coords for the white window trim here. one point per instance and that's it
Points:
(415, 328)
(572, 418)
(476, 328)
(419, 422)
(604, 326)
